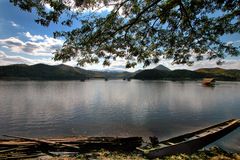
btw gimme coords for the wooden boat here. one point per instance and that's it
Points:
(73, 143)
(208, 81)
(24, 147)
(190, 142)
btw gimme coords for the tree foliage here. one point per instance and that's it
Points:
(141, 31)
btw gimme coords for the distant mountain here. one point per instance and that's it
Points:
(107, 74)
(221, 72)
(57, 72)
(154, 74)
(162, 68)
(110, 74)
(64, 72)
(40, 72)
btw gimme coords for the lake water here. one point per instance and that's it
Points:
(117, 108)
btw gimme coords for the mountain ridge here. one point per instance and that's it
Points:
(183, 74)
(162, 68)
(64, 72)
(54, 72)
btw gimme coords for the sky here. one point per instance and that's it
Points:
(24, 41)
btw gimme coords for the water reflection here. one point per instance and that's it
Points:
(122, 108)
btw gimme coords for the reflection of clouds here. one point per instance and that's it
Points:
(115, 107)
(187, 96)
(195, 97)
(136, 96)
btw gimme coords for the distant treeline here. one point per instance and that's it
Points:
(154, 74)
(57, 72)
(64, 72)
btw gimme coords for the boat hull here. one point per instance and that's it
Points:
(190, 146)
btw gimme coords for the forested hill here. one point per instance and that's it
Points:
(154, 74)
(234, 73)
(40, 72)
(57, 72)
(64, 72)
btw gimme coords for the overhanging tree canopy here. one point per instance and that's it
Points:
(141, 31)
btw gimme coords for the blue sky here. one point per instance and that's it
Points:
(24, 41)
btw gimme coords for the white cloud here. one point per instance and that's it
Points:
(102, 8)
(7, 60)
(2, 54)
(119, 64)
(11, 41)
(48, 7)
(97, 8)
(14, 24)
(13, 60)
(228, 64)
(36, 45)
(235, 43)
(42, 45)
(33, 37)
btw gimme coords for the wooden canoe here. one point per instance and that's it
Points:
(74, 143)
(190, 142)
(24, 147)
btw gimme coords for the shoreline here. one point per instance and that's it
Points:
(213, 153)
(34, 149)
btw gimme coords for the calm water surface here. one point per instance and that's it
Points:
(117, 108)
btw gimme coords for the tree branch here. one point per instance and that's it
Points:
(130, 24)
(186, 14)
